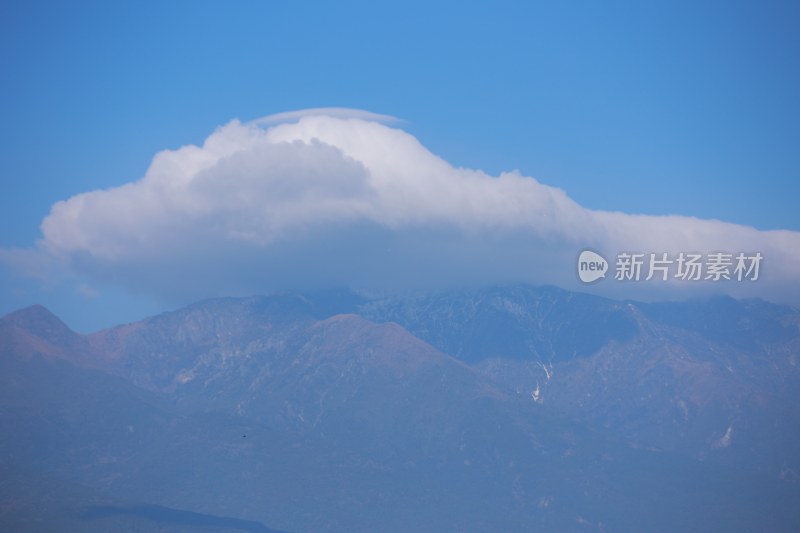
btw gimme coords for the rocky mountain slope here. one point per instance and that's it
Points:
(500, 409)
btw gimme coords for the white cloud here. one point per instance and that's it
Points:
(337, 112)
(337, 197)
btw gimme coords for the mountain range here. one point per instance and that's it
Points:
(512, 408)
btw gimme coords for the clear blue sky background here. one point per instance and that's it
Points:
(689, 108)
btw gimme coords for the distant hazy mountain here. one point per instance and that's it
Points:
(717, 379)
(500, 409)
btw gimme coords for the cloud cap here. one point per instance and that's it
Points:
(340, 197)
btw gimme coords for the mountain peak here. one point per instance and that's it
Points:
(35, 319)
(44, 332)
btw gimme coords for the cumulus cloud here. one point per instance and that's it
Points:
(335, 197)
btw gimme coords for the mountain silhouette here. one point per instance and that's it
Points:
(498, 409)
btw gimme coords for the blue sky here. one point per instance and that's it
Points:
(686, 108)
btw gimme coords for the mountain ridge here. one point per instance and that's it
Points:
(277, 409)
